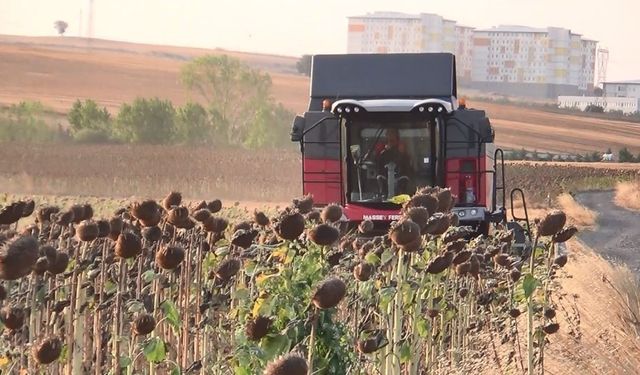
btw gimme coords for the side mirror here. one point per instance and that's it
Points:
(297, 130)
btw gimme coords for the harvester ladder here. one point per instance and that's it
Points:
(525, 218)
(498, 165)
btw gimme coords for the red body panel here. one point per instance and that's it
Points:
(457, 179)
(356, 212)
(322, 180)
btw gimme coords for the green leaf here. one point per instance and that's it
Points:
(422, 327)
(372, 258)
(110, 287)
(529, 285)
(387, 255)
(250, 268)
(405, 353)
(386, 295)
(176, 371)
(241, 294)
(125, 362)
(274, 345)
(148, 276)
(171, 313)
(134, 306)
(155, 351)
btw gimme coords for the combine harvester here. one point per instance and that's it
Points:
(380, 126)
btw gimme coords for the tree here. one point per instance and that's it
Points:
(193, 124)
(625, 156)
(147, 121)
(60, 26)
(594, 108)
(89, 116)
(233, 91)
(304, 65)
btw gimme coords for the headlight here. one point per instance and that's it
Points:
(356, 109)
(474, 212)
(347, 109)
(421, 109)
(430, 109)
(339, 109)
(461, 213)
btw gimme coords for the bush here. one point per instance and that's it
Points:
(89, 116)
(146, 121)
(625, 156)
(24, 122)
(593, 108)
(193, 124)
(304, 65)
(92, 136)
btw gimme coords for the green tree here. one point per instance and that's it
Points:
(193, 124)
(269, 127)
(304, 65)
(147, 121)
(24, 122)
(234, 93)
(625, 156)
(89, 121)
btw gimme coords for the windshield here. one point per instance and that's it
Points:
(387, 157)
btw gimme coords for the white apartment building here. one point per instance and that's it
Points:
(518, 54)
(629, 89)
(392, 32)
(514, 60)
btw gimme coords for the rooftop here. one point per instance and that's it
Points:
(513, 29)
(627, 82)
(388, 15)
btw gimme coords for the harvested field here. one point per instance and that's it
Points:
(149, 171)
(57, 71)
(201, 172)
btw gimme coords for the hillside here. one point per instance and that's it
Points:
(57, 71)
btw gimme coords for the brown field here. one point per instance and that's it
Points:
(57, 71)
(123, 171)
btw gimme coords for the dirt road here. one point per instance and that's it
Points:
(616, 236)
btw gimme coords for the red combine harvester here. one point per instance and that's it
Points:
(380, 126)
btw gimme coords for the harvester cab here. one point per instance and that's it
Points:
(380, 126)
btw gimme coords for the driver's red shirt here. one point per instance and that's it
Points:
(380, 146)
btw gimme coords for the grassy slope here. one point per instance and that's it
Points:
(57, 71)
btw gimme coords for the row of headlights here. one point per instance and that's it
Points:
(470, 212)
(422, 109)
(430, 109)
(348, 109)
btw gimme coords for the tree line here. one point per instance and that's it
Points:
(230, 104)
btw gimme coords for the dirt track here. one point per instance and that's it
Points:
(616, 236)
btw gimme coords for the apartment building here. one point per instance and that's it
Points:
(628, 89)
(511, 60)
(392, 32)
(525, 60)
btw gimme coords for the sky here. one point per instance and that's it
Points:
(296, 27)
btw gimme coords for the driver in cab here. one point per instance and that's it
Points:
(393, 150)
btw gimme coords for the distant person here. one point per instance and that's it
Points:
(393, 151)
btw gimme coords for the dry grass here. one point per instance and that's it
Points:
(627, 286)
(578, 215)
(595, 336)
(627, 195)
